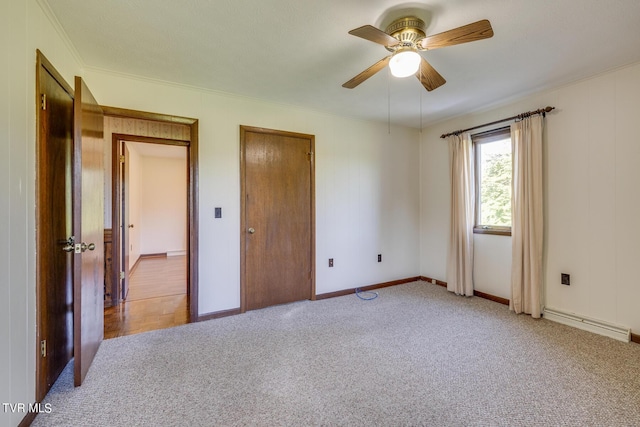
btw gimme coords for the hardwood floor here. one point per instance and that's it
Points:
(157, 298)
(158, 276)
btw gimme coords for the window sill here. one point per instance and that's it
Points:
(495, 231)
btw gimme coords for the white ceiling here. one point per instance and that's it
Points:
(298, 52)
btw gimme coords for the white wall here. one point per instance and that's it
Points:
(162, 220)
(492, 264)
(367, 186)
(23, 28)
(492, 253)
(8, 193)
(591, 173)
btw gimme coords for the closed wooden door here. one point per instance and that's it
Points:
(55, 240)
(88, 226)
(278, 230)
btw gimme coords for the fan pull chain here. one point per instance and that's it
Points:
(420, 71)
(389, 100)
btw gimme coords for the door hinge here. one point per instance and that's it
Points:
(43, 102)
(121, 159)
(43, 348)
(122, 275)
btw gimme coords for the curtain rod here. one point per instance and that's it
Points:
(542, 111)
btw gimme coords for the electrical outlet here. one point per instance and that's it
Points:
(330, 262)
(379, 257)
(218, 212)
(565, 279)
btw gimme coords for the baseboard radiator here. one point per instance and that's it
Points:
(176, 253)
(600, 327)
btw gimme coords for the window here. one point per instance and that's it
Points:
(493, 181)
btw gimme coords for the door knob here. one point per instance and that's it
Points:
(252, 230)
(90, 246)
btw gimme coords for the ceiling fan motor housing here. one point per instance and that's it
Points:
(408, 30)
(404, 38)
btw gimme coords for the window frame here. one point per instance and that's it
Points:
(477, 140)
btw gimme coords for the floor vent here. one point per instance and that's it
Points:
(600, 327)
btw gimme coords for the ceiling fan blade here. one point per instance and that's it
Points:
(429, 77)
(367, 73)
(375, 35)
(467, 33)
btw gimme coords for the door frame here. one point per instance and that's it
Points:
(243, 206)
(43, 62)
(192, 196)
(118, 141)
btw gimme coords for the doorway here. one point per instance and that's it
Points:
(54, 225)
(153, 129)
(152, 227)
(277, 217)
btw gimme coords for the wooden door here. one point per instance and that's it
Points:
(125, 224)
(54, 226)
(278, 230)
(88, 225)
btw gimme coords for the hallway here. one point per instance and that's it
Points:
(157, 298)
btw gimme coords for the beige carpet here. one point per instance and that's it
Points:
(416, 355)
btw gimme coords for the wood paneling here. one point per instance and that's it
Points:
(108, 267)
(145, 115)
(146, 128)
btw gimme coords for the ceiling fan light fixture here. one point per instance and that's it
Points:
(404, 63)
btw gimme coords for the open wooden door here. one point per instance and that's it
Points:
(126, 222)
(88, 226)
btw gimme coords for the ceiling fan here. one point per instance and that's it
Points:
(405, 37)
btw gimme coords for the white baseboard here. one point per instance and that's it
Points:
(617, 332)
(176, 253)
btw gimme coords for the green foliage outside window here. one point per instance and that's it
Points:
(495, 184)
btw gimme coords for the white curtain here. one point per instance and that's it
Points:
(527, 221)
(460, 260)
